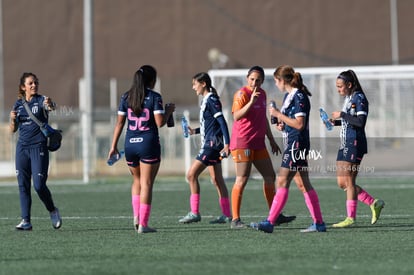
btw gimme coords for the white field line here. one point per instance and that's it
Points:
(184, 187)
(204, 216)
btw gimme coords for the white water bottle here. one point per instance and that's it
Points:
(273, 119)
(325, 119)
(114, 158)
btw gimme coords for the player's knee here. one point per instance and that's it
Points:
(269, 180)
(342, 185)
(39, 182)
(190, 177)
(214, 181)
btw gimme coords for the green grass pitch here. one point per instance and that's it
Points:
(97, 236)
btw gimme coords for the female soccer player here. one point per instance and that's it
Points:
(32, 155)
(352, 119)
(247, 143)
(215, 141)
(293, 120)
(143, 108)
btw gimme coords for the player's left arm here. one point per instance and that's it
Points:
(195, 131)
(159, 112)
(224, 129)
(217, 109)
(361, 113)
(119, 125)
(297, 122)
(357, 121)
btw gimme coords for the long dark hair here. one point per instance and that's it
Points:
(350, 77)
(145, 77)
(21, 93)
(204, 77)
(257, 69)
(294, 79)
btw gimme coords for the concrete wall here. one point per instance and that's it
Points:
(45, 37)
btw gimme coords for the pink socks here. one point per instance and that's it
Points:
(195, 203)
(351, 208)
(366, 198)
(312, 202)
(225, 206)
(135, 205)
(279, 201)
(144, 214)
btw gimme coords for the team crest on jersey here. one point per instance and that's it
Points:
(35, 109)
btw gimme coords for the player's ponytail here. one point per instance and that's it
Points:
(292, 78)
(144, 77)
(298, 83)
(358, 86)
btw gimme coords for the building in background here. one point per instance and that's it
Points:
(176, 37)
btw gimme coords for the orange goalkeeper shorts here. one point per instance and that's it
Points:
(247, 155)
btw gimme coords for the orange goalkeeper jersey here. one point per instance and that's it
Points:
(249, 132)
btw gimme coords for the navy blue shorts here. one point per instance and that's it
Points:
(294, 157)
(350, 154)
(142, 151)
(209, 156)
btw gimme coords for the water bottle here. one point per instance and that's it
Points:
(273, 119)
(325, 119)
(223, 155)
(114, 158)
(184, 124)
(170, 121)
(352, 112)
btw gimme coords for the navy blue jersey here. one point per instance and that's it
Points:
(296, 104)
(145, 123)
(210, 129)
(352, 135)
(29, 131)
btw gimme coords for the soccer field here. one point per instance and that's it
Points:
(97, 236)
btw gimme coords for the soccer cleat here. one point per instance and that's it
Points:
(264, 226)
(24, 225)
(136, 223)
(145, 229)
(190, 217)
(284, 219)
(376, 208)
(221, 219)
(315, 227)
(254, 225)
(237, 224)
(56, 219)
(345, 223)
